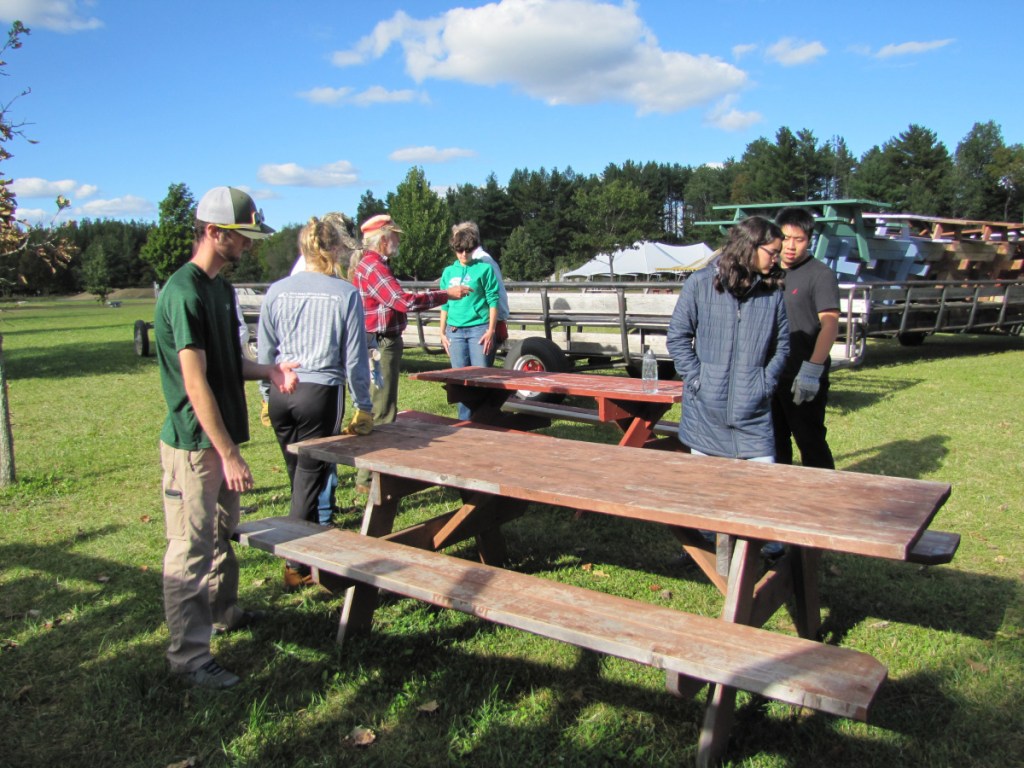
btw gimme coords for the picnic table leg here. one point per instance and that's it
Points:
(807, 601)
(378, 520)
(738, 608)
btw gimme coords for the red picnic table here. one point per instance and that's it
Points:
(620, 400)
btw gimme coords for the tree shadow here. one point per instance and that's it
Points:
(67, 361)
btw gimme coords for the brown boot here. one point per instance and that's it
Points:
(297, 577)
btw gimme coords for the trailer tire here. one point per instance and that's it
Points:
(911, 339)
(536, 354)
(141, 338)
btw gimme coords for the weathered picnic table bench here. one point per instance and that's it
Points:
(498, 474)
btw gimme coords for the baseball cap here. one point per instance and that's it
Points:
(233, 209)
(380, 221)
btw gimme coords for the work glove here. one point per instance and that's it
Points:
(807, 382)
(265, 414)
(361, 424)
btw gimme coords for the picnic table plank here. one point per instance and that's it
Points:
(871, 515)
(837, 680)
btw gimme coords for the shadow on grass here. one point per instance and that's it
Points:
(882, 353)
(864, 389)
(102, 666)
(900, 458)
(856, 590)
(78, 360)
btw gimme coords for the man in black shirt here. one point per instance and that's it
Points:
(812, 307)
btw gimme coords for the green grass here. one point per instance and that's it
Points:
(82, 676)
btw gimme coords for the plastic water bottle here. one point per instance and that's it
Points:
(650, 371)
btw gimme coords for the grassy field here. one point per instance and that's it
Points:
(83, 681)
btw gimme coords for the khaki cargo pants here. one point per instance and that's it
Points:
(200, 569)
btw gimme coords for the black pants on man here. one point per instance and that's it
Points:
(804, 423)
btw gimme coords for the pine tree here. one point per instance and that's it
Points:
(170, 244)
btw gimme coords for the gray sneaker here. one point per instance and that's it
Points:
(212, 675)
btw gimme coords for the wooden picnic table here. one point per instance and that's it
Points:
(498, 473)
(620, 399)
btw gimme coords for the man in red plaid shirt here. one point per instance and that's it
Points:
(386, 307)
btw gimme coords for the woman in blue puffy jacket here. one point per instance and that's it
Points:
(729, 339)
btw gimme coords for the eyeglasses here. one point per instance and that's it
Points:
(769, 251)
(464, 250)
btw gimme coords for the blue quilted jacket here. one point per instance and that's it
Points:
(729, 354)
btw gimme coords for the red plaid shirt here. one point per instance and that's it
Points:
(385, 304)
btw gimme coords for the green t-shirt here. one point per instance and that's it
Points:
(195, 311)
(473, 309)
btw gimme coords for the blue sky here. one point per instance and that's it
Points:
(308, 103)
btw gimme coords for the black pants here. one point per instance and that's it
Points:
(804, 423)
(312, 410)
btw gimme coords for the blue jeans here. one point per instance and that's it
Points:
(325, 501)
(464, 348)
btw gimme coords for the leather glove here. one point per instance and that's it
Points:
(361, 424)
(265, 414)
(807, 382)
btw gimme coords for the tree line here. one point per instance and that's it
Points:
(543, 222)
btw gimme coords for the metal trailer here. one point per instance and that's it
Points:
(901, 275)
(588, 326)
(921, 274)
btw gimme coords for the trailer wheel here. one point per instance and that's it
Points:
(539, 355)
(249, 350)
(141, 338)
(911, 339)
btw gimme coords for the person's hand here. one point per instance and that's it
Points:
(361, 424)
(237, 475)
(265, 414)
(284, 377)
(487, 340)
(807, 382)
(458, 291)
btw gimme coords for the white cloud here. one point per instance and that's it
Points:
(116, 207)
(339, 174)
(739, 51)
(325, 95)
(373, 95)
(31, 186)
(789, 51)
(259, 194)
(911, 48)
(429, 154)
(55, 15)
(725, 116)
(378, 95)
(558, 51)
(34, 216)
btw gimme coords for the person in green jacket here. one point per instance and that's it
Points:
(468, 325)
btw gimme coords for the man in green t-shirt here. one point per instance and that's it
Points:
(201, 372)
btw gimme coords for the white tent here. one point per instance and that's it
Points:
(644, 261)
